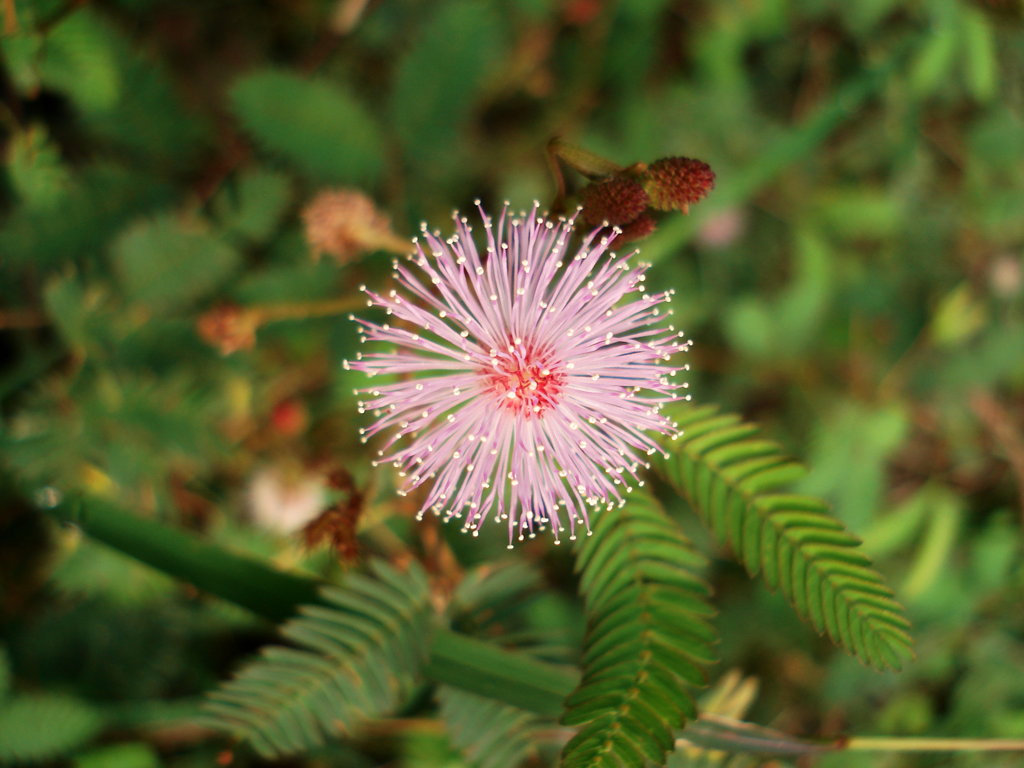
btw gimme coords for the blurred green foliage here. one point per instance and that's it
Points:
(855, 283)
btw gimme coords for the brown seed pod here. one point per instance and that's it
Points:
(617, 201)
(675, 183)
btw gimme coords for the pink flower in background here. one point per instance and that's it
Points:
(524, 382)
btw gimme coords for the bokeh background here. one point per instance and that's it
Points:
(854, 283)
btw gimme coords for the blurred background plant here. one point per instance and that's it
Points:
(171, 340)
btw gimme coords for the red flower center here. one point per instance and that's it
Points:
(523, 382)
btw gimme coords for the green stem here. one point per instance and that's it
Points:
(249, 583)
(272, 313)
(513, 678)
(457, 660)
(581, 160)
(926, 744)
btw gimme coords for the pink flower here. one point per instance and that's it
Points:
(526, 385)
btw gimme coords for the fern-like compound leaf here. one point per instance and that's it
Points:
(358, 657)
(489, 734)
(734, 480)
(647, 638)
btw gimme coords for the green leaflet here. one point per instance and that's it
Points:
(732, 479)
(436, 81)
(43, 727)
(358, 657)
(646, 640)
(314, 124)
(488, 733)
(167, 264)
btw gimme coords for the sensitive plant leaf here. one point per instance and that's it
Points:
(423, 748)
(647, 637)
(734, 480)
(493, 585)
(21, 58)
(313, 124)
(489, 734)
(35, 169)
(123, 98)
(253, 207)
(994, 552)
(357, 657)
(505, 602)
(136, 754)
(300, 282)
(492, 597)
(934, 60)
(101, 199)
(994, 359)
(166, 263)
(982, 63)
(784, 325)
(945, 511)
(893, 531)
(150, 122)
(802, 306)
(66, 305)
(959, 316)
(859, 212)
(125, 431)
(849, 450)
(43, 727)
(79, 60)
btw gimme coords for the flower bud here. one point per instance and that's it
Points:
(618, 201)
(345, 223)
(641, 227)
(229, 328)
(675, 183)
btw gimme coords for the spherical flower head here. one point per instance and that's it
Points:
(676, 183)
(345, 224)
(617, 201)
(527, 386)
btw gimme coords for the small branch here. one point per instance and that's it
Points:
(727, 734)
(231, 328)
(583, 161)
(551, 155)
(926, 744)
(272, 313)
(715, 732)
